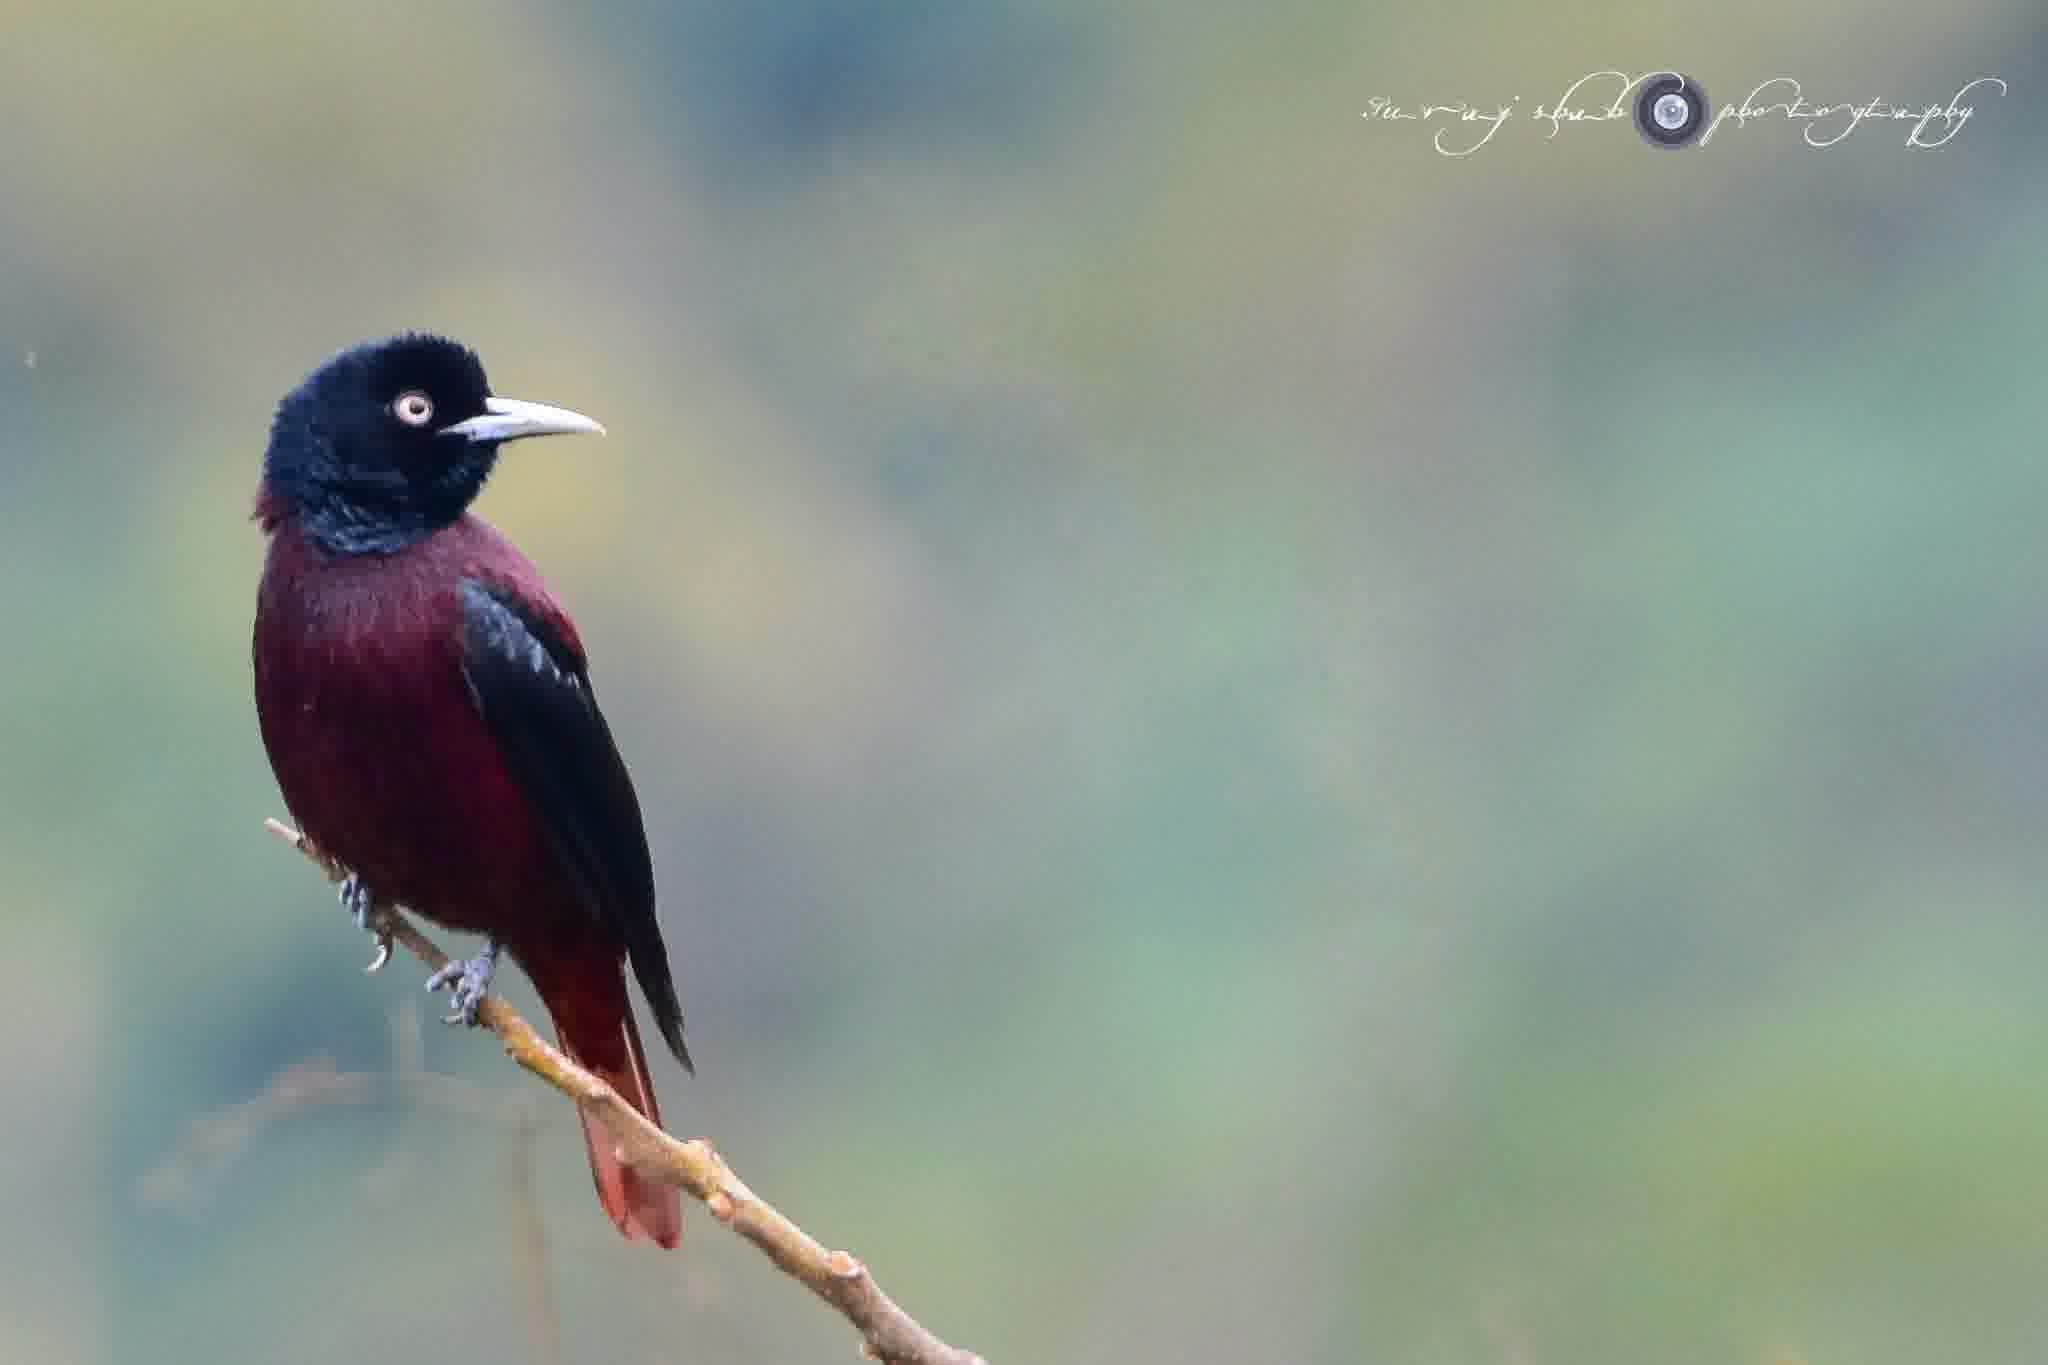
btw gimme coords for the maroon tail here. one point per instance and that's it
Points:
(594, 1025)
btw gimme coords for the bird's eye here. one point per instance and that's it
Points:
(413, 408)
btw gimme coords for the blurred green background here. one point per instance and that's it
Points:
(1262, 744)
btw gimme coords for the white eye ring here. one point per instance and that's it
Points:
(413, 408)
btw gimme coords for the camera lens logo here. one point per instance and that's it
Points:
(1671, 110)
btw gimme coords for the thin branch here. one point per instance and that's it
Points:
(212, 1143)
(542, 1321)
(887, 1332)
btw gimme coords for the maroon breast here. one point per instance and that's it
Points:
(376, 742)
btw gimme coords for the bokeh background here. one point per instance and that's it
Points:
(1262, 744)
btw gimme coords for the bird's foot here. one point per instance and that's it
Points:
(468, 980)
(363, 906)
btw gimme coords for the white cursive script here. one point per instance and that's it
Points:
(1462, 127)
(1380, 107)
(1828, 124)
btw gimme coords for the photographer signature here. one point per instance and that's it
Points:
(1463, 126)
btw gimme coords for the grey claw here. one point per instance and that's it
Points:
(361, 903)
(357, 899)
(468, 980)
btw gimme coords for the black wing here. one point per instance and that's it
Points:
(534, 693)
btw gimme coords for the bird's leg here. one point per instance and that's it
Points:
(469, 979)
(362, 904)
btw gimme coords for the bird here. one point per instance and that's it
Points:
(427, 709)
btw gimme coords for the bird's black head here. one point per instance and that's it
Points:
(389, 441)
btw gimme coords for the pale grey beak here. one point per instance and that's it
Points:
(508, 419)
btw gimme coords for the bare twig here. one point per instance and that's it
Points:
(543, 1322)
(212, 1143)
(887, 1332)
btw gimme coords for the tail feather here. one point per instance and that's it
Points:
(600, 1036)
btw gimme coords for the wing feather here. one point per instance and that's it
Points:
(529, 680)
